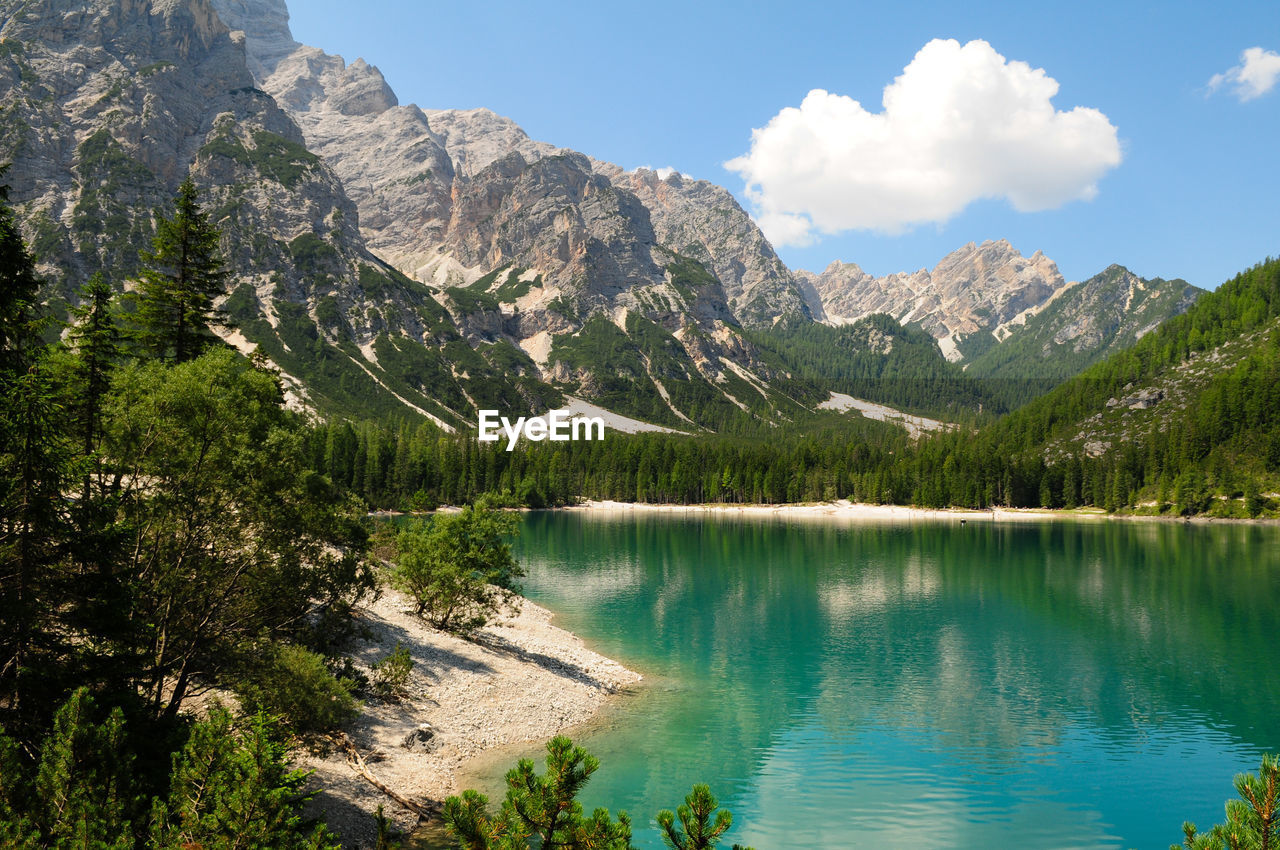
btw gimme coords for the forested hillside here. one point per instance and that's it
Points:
(1185, 422)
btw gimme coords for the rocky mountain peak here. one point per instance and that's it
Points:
(977, 287)
(265, 24)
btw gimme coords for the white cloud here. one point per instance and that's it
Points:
(1257, 74)
(959, 124)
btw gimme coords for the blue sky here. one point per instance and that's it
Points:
(1195, 193)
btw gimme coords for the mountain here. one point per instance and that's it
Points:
(539, 271)
(1189, 416)
(1080, 325)
(111, 105)
(400, 164)
(974, 289)
(1004, 316)
(392, 260)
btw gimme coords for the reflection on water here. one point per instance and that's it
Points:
(928, 685)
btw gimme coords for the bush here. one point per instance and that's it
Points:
(459, 568)
(295, 684)
(390, 680)
(543, 811)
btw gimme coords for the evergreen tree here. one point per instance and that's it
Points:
(231, 788)
(539, 808)
(95, 340)
(83, 784)
(181, 276)
(33, 465)
(19, 289)
(1253, 821)
(698, 832)
(81, 794)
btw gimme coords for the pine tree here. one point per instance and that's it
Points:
(698, 833)
(181, 276)
(1253, 821)
(539, 808)
(19, 289)
(33, 462)
(95, 340)
(231, 787)
(83, 784)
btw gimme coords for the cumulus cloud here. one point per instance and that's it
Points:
(1257, 74)
(961, 123)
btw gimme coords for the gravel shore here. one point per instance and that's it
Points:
(520, 679)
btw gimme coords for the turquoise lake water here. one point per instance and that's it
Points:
(1065, 684)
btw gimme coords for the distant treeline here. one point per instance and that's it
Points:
(1215, 448)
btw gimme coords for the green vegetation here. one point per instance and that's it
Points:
(1212, 445)
(563, 305)
(472, 300)
(1031, 361)
(295, 684)
(420, 177)
(181, 276)
(154, 68)
(312, 255)
(696, 830)
(458, 567)
(688, 276)
(539, 810)
(160, 533)
(272, 155)
(542, 810)
(879, 360)
(624, 370)
(230, 783)
(1253, 821)
(108, 220)
(514, 288)
(390, 680)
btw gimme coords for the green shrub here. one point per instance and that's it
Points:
(295, 684)
(390, 680)
(459, 567)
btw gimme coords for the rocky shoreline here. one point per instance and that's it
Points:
(520, 679)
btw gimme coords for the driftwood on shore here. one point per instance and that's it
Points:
(357, 764)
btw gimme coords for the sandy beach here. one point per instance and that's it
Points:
(845, 510)
(521, 679)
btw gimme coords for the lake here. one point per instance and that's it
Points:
(1032, 685)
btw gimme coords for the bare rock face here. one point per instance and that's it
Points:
(122, 101)
(530, 244)
(1082, 324)
(406, 169)
(110, 105)
(704, 221)
(977, 288)
(476, 138)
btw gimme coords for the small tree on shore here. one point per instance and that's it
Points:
(459, 567)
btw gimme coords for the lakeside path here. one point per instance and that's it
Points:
(521, 680)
